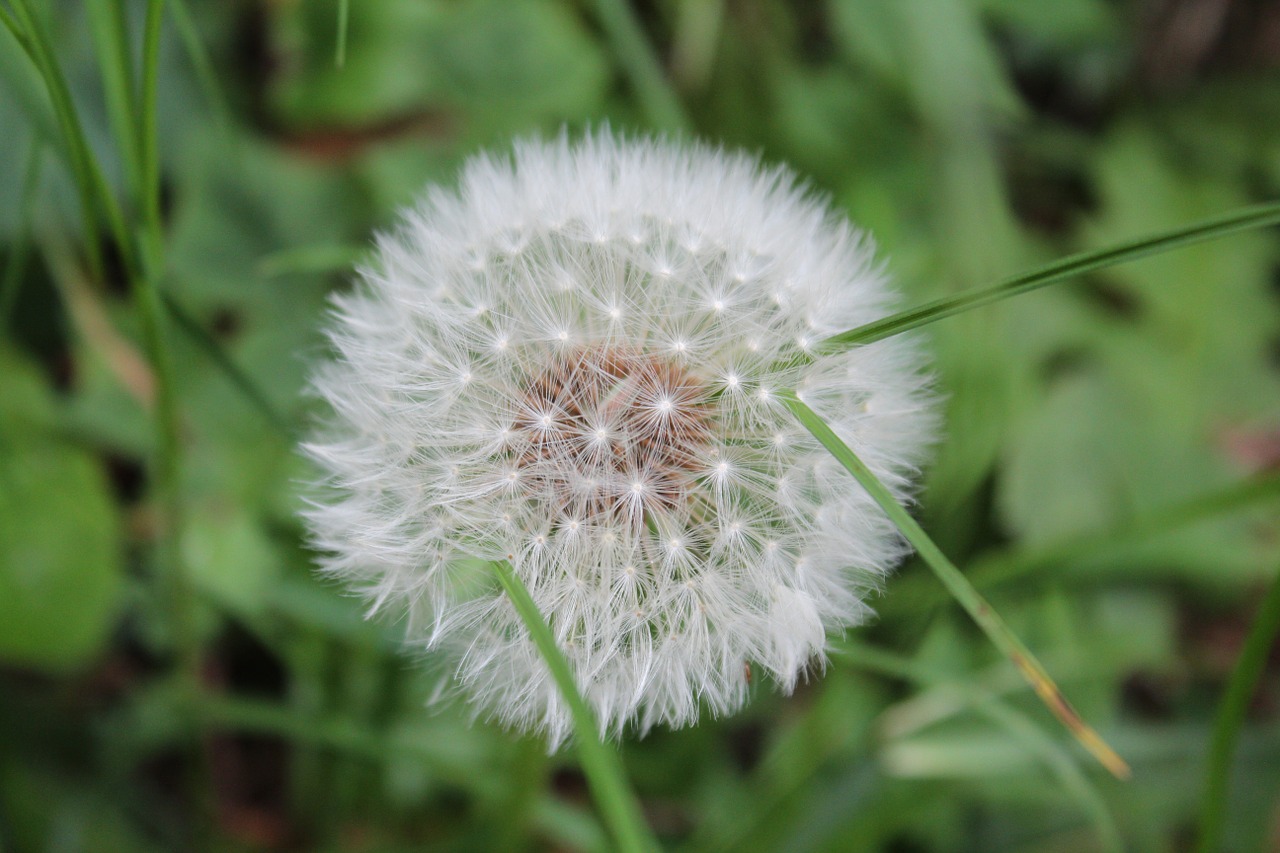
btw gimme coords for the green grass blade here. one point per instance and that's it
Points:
(641, 66)
(25, 85)
(959, 587)
(15, 265)
(91, 187)
(1005, 566)
(8, 21)
(1059, 761)
(1244, 219)
(111, 39)
(344, 20)
(1230, 719)
(601, 765)
(192, 329)
(149, 145)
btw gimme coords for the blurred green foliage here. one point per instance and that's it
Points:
(971, 137)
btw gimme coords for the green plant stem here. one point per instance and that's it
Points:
(1230, 718)
(1069, 775)
(601, 764)
(111, 37)
(91, 186)
(641, 65)
(954, 580)
(241, 380)
(146, 289)
(15, 264)
(148, 117)
(344, 20)
(1257, 216)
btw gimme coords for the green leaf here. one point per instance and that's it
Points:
(230, 558)
(60, 560)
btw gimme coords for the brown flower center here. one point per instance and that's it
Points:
(608, 431)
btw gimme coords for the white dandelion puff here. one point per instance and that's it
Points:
(575, 363)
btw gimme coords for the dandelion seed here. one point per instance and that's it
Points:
(672, 525)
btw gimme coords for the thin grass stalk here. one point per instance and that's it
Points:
(111, 37)
(1007, 566)
(601, 764)
(238, 378)
(91, 187)
(1230, 719)
(954, 580)
(1242, 219)
(148, 118)
(142, 261)
(146, 291)
(16, 264)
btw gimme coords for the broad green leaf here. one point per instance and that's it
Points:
(60, 559)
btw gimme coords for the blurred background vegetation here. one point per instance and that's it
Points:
(1089, 481)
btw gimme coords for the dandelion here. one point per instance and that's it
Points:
(574, 363)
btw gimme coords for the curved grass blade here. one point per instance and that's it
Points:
(1244, 219)
(956, 583)
(1005, 566)
(600, 764)
(192, 328)
(1230, 719)
(91, 186)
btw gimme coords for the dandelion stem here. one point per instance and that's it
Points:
(1230, 719)
(1257, 216)
(954, 580)
(642, 66)
(601, 765)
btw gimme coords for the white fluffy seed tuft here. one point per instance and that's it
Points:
(572, 363)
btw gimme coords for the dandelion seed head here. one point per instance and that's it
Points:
(573, 363)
